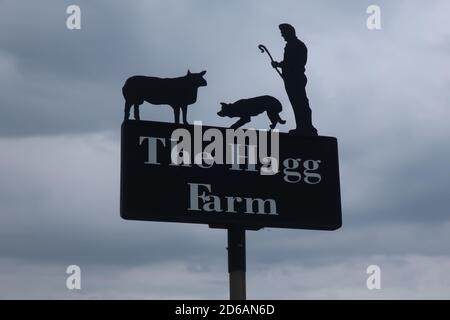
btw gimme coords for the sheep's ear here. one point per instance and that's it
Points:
(223, 104)
(203, 73)
(189, 71)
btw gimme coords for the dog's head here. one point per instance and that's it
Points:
(225, 111)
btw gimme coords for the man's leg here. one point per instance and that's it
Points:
(306, 114)
(295, 105)
(302, 111)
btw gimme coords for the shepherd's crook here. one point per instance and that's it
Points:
(264, 49)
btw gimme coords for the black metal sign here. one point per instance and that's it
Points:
(219, 176)
(230, 178)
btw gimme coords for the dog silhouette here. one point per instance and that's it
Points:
(175, 92)
(247, 108)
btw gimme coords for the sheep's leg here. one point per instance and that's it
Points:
(127, 110)
(136, 112)
(176, 111)
(184, 109)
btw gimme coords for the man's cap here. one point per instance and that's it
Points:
(286, 27)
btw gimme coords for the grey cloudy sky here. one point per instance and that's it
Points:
(384, 94)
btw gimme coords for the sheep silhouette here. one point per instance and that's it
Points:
(178, 93)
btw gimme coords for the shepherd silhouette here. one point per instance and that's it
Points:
(293, 74)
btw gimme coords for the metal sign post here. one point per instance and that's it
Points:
(236, 262)
(303, 194)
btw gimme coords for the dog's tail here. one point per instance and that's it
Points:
(280, 120)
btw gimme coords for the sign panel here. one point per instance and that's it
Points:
(175, 173)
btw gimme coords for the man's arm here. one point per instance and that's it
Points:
(276, 64)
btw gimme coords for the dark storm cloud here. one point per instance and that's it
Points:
(61, 81)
